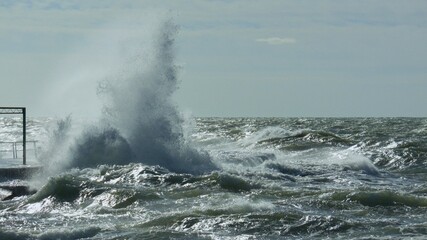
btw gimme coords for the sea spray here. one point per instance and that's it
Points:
(54, 155)
(140, 122)
(100, 145)
(139, 105)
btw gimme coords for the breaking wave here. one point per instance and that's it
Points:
(140, 122)
(140, 107)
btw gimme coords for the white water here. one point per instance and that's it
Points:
(140, 107)
(139, 121)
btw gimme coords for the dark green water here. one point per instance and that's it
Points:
(276, 178)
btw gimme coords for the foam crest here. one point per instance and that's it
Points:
(355, 161)
(264, 135)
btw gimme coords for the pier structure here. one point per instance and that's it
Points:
(19, 110)
(10, 170)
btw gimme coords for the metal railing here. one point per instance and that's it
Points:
(23, 111)
(14, 148)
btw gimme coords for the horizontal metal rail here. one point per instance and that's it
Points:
(12, 110)
(14, 148)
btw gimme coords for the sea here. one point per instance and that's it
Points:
(144, 170)
(270, 178)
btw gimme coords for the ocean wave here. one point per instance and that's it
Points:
(288, 170)
(77, 233)
(66, 234)
(305, 139)
(383, 198)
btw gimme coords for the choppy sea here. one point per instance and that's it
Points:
(262, 178)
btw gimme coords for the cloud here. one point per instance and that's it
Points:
(276, 40)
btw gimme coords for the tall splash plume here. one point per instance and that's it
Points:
(140, 107)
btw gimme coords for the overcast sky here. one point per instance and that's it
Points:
(325, 58)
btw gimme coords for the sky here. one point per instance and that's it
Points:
(243, 58)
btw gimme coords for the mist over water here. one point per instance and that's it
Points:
(139, 122)
(139, 106)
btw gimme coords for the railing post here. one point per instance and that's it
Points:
(24, 137)
(14, 150)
